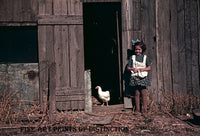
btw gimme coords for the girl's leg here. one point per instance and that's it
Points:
(137, 100)
(144, 100)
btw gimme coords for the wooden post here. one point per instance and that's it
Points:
(88, 91)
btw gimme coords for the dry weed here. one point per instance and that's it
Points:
(175, 104)
(13, 111)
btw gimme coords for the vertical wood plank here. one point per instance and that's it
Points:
(131, 29)
(74, 7)
(174, 45)
(198, 2)
(52, 87)
(35, 8)
(125, 44)
(50, 94)
(60, 7)
(46, 52)
(61, 53)
(181, 46)
(41, 7)
(148, 28)
(50, 56)
(131, 15)
(64, 7)
(66, 59)
(58, 53)
(48, 7)
(165, 41)
(126, 41)
(50, 44)
(126, 35)
(158, 56)
(57, 7)
(163, 47)
(178, 47)
(45, 7)
(74, 49)
(135, 8)
(76, 56)
(188, 47)
(195, 46)
(43, 66)
(61, 45)
(130, 24)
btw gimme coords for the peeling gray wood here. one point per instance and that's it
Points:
(15, 79)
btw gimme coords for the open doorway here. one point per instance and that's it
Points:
(102, 38)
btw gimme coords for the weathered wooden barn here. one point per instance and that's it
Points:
(65, 38)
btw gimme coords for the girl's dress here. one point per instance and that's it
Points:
(135, 80)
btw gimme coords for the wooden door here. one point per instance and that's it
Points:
(61, 54)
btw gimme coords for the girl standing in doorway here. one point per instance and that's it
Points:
(139, 65)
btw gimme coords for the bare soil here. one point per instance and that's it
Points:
(112, 120)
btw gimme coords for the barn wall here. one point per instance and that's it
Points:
(170, 29)
(177, 46)
(15, 81)
(60, 44)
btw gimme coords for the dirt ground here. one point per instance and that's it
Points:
(112, 120)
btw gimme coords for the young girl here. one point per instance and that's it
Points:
(139, 64)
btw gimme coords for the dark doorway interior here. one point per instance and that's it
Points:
(101, 46)
(18, 44)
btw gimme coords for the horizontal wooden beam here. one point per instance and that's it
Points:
(11, 23)
(69, 91)
(70, 105)
(70, 98)
(59, 20)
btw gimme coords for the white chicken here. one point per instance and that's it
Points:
(103, 95)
